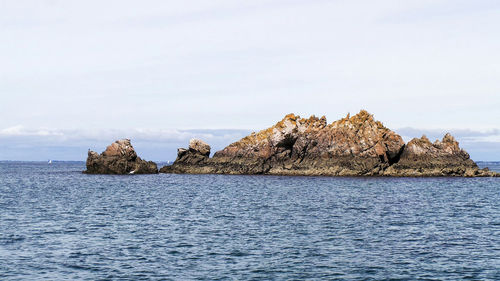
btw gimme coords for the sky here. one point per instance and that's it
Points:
(76, 75)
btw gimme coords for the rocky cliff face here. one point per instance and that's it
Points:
(352, 146)
(356, 145)
(119, 158)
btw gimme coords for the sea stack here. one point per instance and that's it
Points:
(352, 146)
(119, 158)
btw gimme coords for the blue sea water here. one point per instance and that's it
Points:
(59, 224)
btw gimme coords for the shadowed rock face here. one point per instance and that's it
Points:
(352, 146)
(119, 158)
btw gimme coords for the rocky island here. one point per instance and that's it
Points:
(119, 158)
(352, 146)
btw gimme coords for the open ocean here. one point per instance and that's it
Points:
(59, 224)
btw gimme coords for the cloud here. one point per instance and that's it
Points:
(21, 131)
(21, 143)
(86, 135)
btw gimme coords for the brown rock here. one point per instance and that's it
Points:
(441, 158)
(352, 146)
(195, 156)
(196, 145)
(119, 158)
(120, 148)
(356, 145)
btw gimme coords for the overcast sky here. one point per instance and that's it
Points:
(98, 70)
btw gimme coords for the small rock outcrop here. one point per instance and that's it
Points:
(352, 146)
(119, 158)
(441, 158)
(198, 152)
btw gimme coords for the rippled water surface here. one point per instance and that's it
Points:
(59, 224)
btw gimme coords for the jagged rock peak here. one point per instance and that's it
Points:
(290, 124)
(121, 148)
(448, 145)
(449, 138)
(295, 120)
(197, 145)
(118, 158)
(300, 138)
(363, 118)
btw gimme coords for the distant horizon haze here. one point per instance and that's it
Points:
(161, 145)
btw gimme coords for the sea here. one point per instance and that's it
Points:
(57, 223)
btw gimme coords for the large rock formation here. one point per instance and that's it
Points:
(352, 146)
(119, 158)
